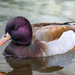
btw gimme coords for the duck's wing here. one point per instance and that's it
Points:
(65, 43)
(50, 31)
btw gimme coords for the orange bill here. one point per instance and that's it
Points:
(4, 38)
(73, 47)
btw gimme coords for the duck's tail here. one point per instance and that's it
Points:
(70, 25)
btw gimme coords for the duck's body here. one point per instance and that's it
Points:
(41, 48)
(38, 40)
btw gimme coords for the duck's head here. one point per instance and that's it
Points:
(18, 29)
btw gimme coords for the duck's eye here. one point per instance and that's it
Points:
(16, 27)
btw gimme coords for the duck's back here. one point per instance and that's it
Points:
(49, 31)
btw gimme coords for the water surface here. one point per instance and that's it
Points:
(37, 11)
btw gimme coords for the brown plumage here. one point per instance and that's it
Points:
(26, 51)
(50, 31)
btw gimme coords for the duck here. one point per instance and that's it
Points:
(37, 40)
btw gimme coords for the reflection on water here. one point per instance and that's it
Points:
(37, 11)
(40, 65)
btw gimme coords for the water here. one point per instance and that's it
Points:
(37, 11)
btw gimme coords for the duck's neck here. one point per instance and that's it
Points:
(21, 44)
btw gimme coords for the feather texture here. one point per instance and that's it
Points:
(65, 43)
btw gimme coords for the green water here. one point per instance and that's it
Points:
(37, 11)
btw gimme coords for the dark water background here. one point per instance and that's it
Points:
(37, 11)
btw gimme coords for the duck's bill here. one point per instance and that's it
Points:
(5, 38)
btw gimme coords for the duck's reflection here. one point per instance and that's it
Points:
(46, 65)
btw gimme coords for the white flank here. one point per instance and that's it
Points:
(65, 43)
